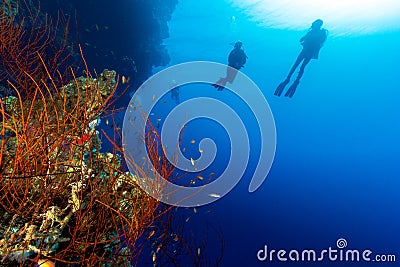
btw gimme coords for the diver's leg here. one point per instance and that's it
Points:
(220, 84)
(282, 85)
(302, 68)
(231, 73)
(292, 89)
(295, 65)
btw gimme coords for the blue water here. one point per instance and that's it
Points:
(336, 169)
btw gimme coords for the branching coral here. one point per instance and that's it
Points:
(61, 197)
(24, 32)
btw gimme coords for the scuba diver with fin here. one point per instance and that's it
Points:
(312, 43)
(236, 60)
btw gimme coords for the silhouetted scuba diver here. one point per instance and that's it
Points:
(312, 43)
(236, 60)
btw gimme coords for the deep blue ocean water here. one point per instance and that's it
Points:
(336, 172)
(336, 169)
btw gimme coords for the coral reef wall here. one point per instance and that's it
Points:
(124, 35)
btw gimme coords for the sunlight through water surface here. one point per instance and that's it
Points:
(341, 17)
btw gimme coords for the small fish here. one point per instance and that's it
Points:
(200, 178)
(87, 30)
(151, 234)
(214, 195)
(154, 98)
(194, 210)
(154, 257)
(107, 122)
(192, 161)
(124, 80)
(176, 239)
(97, 27)
(187, 219)
(158, 119)
(184, 150)
(193, 141)
(112, 52)
(134, 67)
(46, 263)
(201, 150)
(198, 251)
(106, 27)
(87, 44)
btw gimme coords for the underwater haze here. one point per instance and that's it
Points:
(336, 172)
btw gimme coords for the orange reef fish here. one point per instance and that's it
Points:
(151, 234)
(45, 263)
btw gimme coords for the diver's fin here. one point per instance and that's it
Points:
(218, 86)
(292, 89)
(281, 86)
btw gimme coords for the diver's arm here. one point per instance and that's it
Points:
(302, 39)
(230, 58)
